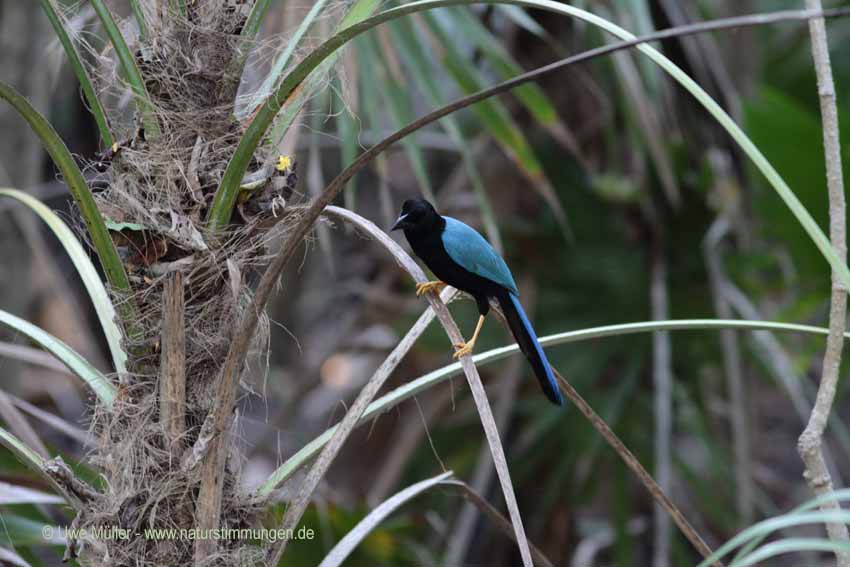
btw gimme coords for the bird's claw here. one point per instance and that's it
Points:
(463, 349)
(422, 288)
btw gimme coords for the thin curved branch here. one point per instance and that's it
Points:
(810, 442)
(631, 461)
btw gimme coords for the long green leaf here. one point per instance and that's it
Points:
(128, 66)
(88, 274)
(229, 187)
(76, 62)
(395, 397)
(54, 145)
(12, 558)
(81, 368)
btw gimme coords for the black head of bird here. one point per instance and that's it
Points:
(417, 214)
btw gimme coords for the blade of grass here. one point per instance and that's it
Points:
(73, 178)
(24, 532)
(31, 355)
(88, 274)
(73, 55)
(12, 558)
(128, 66)
(19, 425)
(73, 490)
(358, 533)
(410, 389)
(81, 368)
(54, 421)
(359, 10)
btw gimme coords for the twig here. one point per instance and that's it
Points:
(663, 382)
(631, 461)
(464, 525)
(732, 368)
(299, 503)
(809, 443)
(210, 495)
(172, 380)
(76, 491)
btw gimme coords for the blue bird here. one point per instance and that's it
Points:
(462, 258)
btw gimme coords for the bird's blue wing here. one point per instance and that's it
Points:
(469, 249)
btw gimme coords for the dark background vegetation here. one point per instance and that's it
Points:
(347, 303)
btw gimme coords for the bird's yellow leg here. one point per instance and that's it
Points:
(466, 348)
(430, 286)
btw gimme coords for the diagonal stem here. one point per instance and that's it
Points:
(810, 443)
(631, 461)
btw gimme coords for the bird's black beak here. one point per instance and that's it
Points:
(399, 222)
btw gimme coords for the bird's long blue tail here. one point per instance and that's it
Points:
(529, 345)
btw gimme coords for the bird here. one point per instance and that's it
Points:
(459, 256)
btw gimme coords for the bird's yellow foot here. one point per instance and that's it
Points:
(463, 349)
(429, 286)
